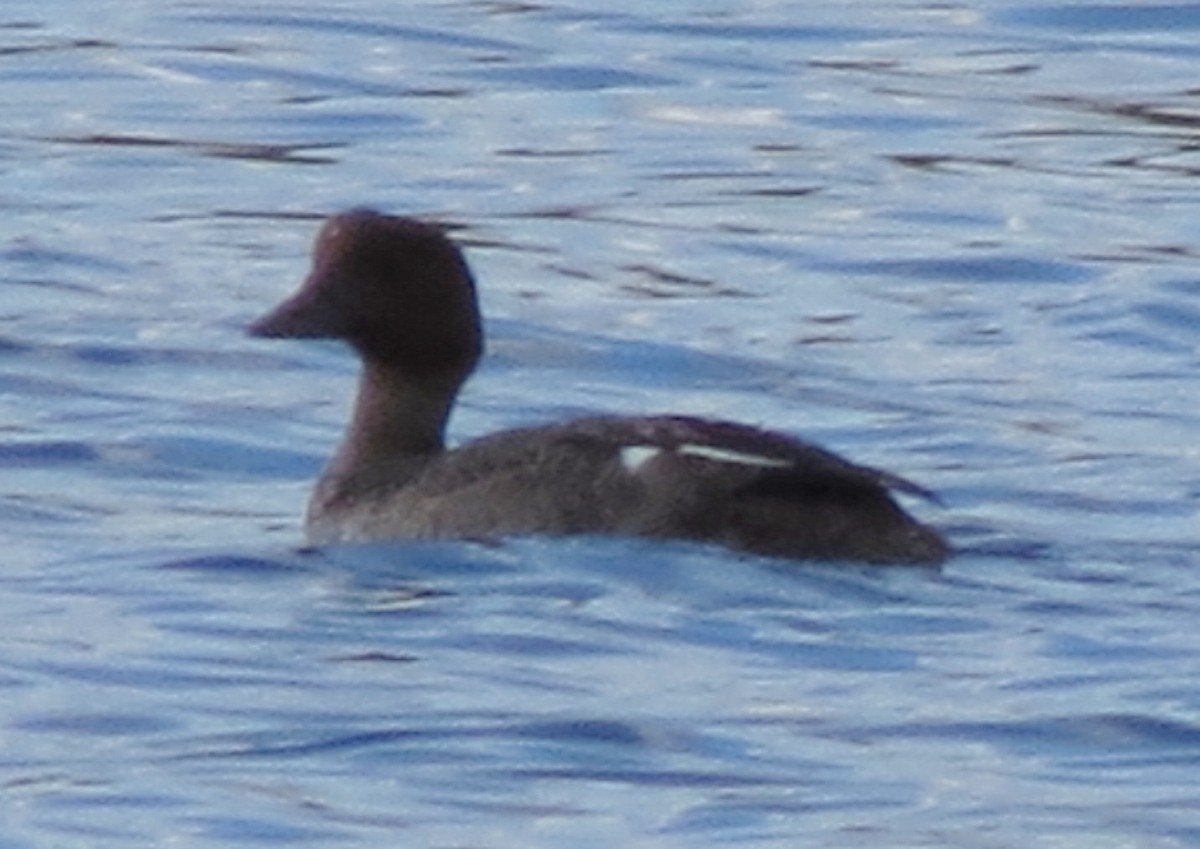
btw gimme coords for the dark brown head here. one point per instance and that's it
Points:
(397, 289)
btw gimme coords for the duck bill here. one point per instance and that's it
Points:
(301, 316)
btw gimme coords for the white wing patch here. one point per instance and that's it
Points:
(635, 457)
(726, 455)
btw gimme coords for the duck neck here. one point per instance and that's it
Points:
(397, 427)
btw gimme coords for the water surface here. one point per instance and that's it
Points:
(957, 241)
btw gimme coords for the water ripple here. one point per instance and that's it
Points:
(954, 242)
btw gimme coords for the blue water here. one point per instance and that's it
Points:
(958, 241)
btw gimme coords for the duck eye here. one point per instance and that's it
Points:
(332, 231)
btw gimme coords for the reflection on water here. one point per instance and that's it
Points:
(958, 243)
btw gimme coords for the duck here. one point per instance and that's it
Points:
(399, 291)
